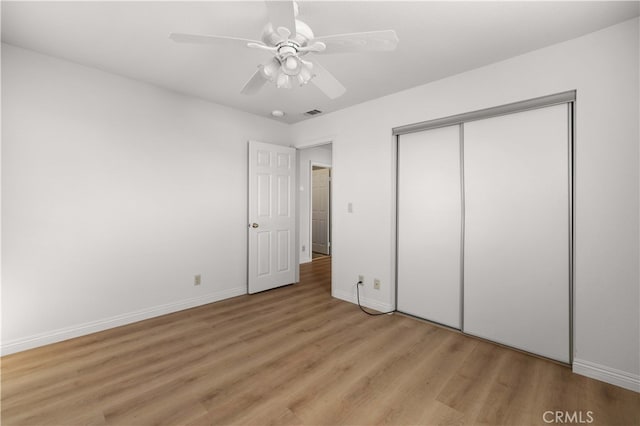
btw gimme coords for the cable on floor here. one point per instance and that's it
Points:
(362, 309)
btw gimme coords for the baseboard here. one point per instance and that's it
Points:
(607, 374)
(46, 338)
(369, 303)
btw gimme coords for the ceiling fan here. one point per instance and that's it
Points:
(290, 39)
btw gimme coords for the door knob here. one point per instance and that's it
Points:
(254, 225)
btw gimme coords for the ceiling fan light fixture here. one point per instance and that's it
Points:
(284, 81)
(305, 75)
(271, 70)
(291, 66)
(301, 80)
(292, 63)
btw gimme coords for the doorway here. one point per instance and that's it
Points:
(315, 252)
(320, 211)
(318, 156)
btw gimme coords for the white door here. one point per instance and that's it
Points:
(430, 225)
(321, 180)
(271, 216)
(516, 260)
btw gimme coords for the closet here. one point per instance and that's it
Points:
(484, 223)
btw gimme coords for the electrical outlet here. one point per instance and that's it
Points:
(376, 284)
(197, 279)
(361, 278)
(304, 248)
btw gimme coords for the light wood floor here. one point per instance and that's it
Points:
(292, 356)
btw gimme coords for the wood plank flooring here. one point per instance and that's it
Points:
(294, 356)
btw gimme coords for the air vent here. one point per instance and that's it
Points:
(313, 112)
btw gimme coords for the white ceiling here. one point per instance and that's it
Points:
(437, 39)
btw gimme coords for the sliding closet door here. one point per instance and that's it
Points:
(429, 225)
(516, 269)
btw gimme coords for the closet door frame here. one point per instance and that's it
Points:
(569, 98)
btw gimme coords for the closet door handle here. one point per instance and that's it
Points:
(254, 225)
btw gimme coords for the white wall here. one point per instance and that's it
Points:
(320, 154)
(115, 194)
(603, 68)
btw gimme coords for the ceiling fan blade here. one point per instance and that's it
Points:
(316, 46)
(326, 82)
(255, 83)
(360, 42)
(211, 39)
(261, 46)
(282, 14)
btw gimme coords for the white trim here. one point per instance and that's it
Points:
(393, 242)
(319, 164)
(607, 374)
(296, 184)
(41, 339)
(315, 142)
(367, 303)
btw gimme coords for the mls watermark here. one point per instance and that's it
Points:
(562, 417)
